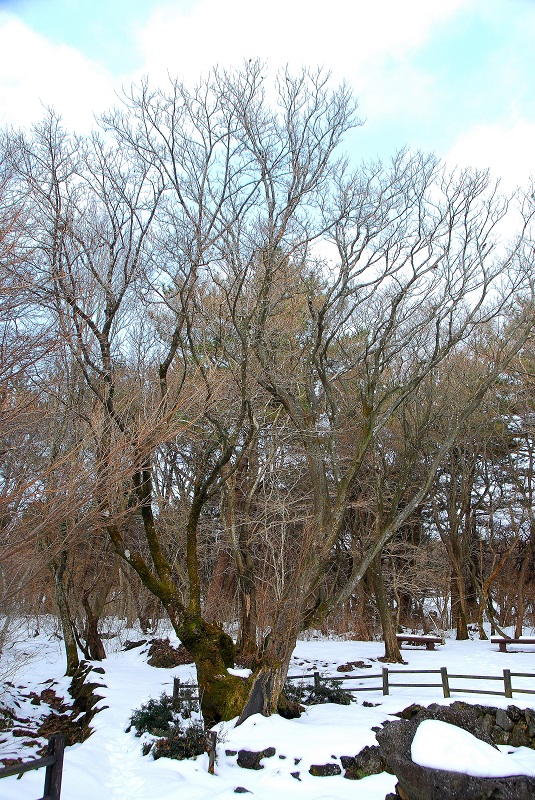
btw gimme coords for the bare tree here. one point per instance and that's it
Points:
(179, 259)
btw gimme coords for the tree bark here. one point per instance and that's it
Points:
(458, 605)
(392, 651)
(222, 695)
(71, 650)
(94, 643)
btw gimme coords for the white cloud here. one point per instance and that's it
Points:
(344, 36)
(506, 148)
(36, 73)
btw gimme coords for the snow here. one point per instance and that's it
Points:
(241, 673)
(110, 764)
(442, 746)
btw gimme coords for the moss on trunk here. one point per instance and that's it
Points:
(222, 695)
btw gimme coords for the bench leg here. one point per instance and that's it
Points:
(429, 645)
(503, 647)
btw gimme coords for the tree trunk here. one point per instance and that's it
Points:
(267, 684)
(94, 644)
(222, 695)
(522, 578)
(246, 644)
(220, 597)
(71, 650)
(458, 606)
(392, 651)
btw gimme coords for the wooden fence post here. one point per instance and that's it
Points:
(176, 693)
(385, 681)
(445, 681)
(507, 683)
(317, 681)
(54, 772)
(211, 742)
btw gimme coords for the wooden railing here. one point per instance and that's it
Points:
(53, 761)
(445, 678)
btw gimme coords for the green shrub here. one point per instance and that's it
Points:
(183, 742)
(188, 704)
(329, 691)
(155, 717)
(175, 739)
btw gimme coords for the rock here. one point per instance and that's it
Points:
(295, 775)
(249, 759)
(411, 711)
(368, 762)
(499, 736)
(518, 737)
(422, 783)
(325, 770)
(503, 721)
(487, 722)
(231, 752)
(529, 715)
(351, 665)
(469, 718)
(242, 790)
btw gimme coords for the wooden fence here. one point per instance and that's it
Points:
(445, 678)
(53, 761)
(386, 684)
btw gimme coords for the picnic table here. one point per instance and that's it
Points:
(499, 640)
(409, 638)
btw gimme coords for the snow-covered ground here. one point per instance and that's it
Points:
(110, 765)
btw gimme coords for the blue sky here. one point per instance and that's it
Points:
(456, 77)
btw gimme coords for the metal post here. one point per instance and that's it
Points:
(385, 681)
(317, 681)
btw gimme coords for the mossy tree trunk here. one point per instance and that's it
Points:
(222, 695)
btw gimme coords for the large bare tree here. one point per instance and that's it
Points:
(234, 297)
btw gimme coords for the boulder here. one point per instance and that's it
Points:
(368, 762)
(325, 770)
(249, 759)
(416, 782)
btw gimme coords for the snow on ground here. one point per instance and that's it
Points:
(110, 766)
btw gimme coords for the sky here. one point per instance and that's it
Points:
(455, 77)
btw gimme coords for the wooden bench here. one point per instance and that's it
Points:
(429, 641)
(499, 640)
